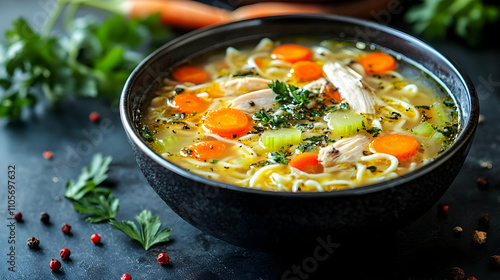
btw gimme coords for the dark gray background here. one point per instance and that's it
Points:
(424, 250)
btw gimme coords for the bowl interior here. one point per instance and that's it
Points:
(148, 75)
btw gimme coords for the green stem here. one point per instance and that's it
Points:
(69, 15)
(51, 21)
(114, 6)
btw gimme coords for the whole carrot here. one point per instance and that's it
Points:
(181, 14)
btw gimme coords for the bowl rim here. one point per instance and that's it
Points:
(465, 134)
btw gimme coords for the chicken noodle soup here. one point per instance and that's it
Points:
(314, 116)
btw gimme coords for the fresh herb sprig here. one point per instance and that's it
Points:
(103, 206)
(150, 233)
(468, 18)
(92, 59)
(87, 197)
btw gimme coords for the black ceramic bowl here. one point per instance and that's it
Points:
(266, 220)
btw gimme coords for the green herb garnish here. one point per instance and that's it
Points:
(150, 233)
(278, 157)
(90, 59)
(468, 17)
(90, 177)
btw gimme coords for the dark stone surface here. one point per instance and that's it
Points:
(426, 249)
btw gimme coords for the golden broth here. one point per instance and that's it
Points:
(336, 115)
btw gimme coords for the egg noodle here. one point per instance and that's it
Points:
(406, 102)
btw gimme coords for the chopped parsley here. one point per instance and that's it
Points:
(278, 157)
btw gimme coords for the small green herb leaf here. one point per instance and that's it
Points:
(150, 233)
(90, 177)
(101, 207)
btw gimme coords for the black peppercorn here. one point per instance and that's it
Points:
(456, 273)
(484, 221)
(44, 218)
(33, 242)
(495, 261)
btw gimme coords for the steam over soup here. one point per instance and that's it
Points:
(314, 116)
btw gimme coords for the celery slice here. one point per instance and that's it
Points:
(424, 129)
(169, 144)
(442, 112)
(275, 139)
(344, 123)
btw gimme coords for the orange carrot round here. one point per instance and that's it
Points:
(190, 74)
(189, 103)
(206, 150)
(187, 15)
(307, 162)
(377, 63)
(291, 53)
(398, 145)
(227, 122)
(306, 71)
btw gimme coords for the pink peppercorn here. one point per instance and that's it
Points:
(64, 253)
(94, 117)
(54, 265)
(18, 216)
(95, 238)
(163, 258)
(126, 276)
(65, 228)
(47, 155)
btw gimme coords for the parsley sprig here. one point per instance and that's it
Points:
(468, 17)
(88, 198)
(90, 59)
(150, 233)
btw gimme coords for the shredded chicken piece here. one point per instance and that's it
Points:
(243, 85)
(254, 101)
(351, 88)
(317, 86)
(343, 154)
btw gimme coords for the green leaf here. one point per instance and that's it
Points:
(101, 207)
(434, 18)
(90, 177)
(149, 234)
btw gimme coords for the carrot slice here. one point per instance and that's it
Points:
(190, 74)
(206, 150)
(377, 63)
(189, 103)
(306, 71)
(227, 122)
(307, 162)
(331, 95)
(291, 53)
(398, 145)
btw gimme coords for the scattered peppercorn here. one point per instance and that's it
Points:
(47, 155)
(55, 265)
(484, 222)
(495, 261)
(94, 117)
(472, 278)
(44, 218)
(33, 242)
(479, 237)
(95, 238)
(65, 228)
(482, 184)
(456, 273)
(443, 209)
(163, 258)
(457, 231)
(126, 276)
(64, 253)
(18, 216)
